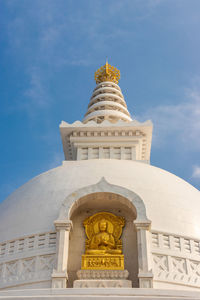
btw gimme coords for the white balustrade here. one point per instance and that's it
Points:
(28, 259)
(176, 259)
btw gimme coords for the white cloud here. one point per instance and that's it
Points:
(56, 160)
(196, 172)
(179, 122)
(45, 37)
(36, 94)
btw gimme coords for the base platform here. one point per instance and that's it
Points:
(100, 283)
(100, 293)
(102, 279)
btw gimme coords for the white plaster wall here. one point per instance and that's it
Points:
(172, 204)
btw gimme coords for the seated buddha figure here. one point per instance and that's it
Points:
(103, 242)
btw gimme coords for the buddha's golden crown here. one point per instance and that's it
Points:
(107, 73)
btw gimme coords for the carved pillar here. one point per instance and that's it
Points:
(145, 274)
(59, 275)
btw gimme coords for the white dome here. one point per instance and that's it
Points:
(172, 204)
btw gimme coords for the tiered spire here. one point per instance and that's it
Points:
(107, 101)
(104, 137)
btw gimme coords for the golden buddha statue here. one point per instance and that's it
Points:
(103, 242)
(103, 246)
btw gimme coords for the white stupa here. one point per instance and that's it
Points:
(106, 169)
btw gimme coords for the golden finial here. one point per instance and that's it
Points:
(107, 73)
(107, 66)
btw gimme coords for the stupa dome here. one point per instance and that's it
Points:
(175, 209)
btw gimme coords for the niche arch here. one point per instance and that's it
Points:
(86, 201)
(76, 199)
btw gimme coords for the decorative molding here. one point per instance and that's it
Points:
(176, 259)
(110, 133)
(101, 283)
(176, 270)
(79, 138)
(105, 123)
(142, 225)
(63, 225)
(130, 199)
(102, 274)
(28, 270)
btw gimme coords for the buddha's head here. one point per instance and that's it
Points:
(103, 225)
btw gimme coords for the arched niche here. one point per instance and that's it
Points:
(89, 205)
(103, 197)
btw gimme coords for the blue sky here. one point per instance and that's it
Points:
(49, 53)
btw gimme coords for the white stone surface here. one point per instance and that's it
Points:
(100, 293)
(100, 283)
(172, 204)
